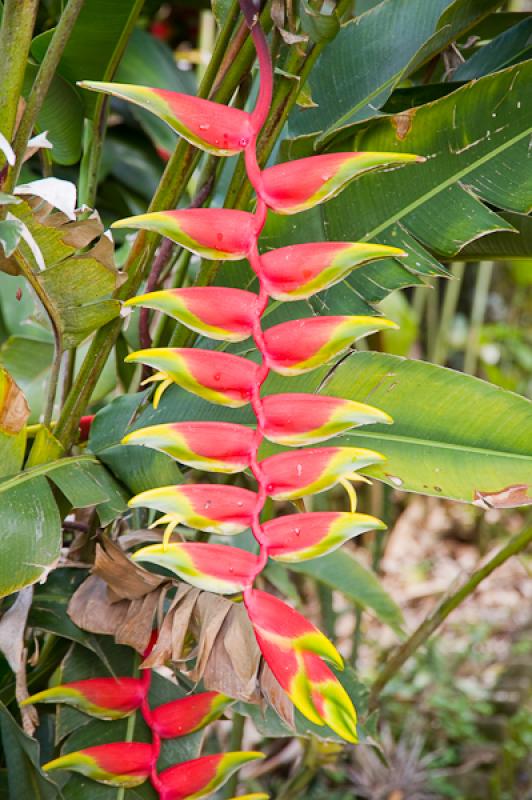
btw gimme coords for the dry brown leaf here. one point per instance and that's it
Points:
(172, 632)
(91, 609)
(510, 497)
(210, 612)
(275, 696)
(126, 580)
(136, 628)
(233, 662)
(14, 410)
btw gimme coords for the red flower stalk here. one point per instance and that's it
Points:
(293, 648)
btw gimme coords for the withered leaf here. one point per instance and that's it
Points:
(91, 609)
(14, 410)
(136, 628)
(210, 612)
(171, 640)
(126, 580)
(275, 695)
(510, 497)
(233, 662)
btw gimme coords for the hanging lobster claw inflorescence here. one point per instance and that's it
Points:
(295, 650)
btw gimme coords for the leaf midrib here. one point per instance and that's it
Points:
(44, 469)
(445, 185)
(419, 442)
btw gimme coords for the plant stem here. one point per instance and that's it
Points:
(480, 302)
(450, 302)
(44, 78)
(52, 383)
(518, 543)
(235, 744)
(15, 41)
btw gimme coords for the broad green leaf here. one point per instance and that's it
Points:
(470, 153)
(31, 531)
(14, 414)
(21, 753)
(80, 273)
(61, 115)
(97, 34)
(453, 435)
(139, 468)
(506, 49)
(340, 570)
(367, 61)
(504, 245)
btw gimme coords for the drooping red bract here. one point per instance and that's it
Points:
(121, 764)
(106, 698)
(188, 714)
(195, 779)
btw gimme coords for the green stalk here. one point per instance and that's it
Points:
(480, 302)
(450, 302)
(516, 545)
(43, 80)
(15, 41)
(235, 743)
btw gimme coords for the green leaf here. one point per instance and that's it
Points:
(10, 230)
(29, 360)
(453, 435)
(367, 61)
(506, 49)
(470, 154)
(80, 273)
(61, 115)
(340, 570)
(139, 468)
(24, 776)
(97, 33)
(31, 532)
(319, 27)
(504, 245)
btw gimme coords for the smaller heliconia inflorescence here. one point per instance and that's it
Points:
(293, 648)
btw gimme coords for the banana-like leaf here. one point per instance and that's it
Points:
(453, 435)
(471, 154)
(367, 47)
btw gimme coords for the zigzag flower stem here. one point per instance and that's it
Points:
(293, 648)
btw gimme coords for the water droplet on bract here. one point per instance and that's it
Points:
(396, 481)
(217, 376)
(204, 126)
(231, 570)
(240, 504)
(269, 488)
(297, 531)
(219, 236)
(299, 470)
(207, 504)
(243, 142)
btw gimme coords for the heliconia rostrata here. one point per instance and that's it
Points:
(292, 647)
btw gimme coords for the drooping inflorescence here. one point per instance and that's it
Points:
(293, 648)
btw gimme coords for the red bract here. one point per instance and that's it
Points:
(189, 714)
(212, 446)
(209, 232)
(216, 312)
(106, 698)
(202, 776)
(218, 129)
(121, 764)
